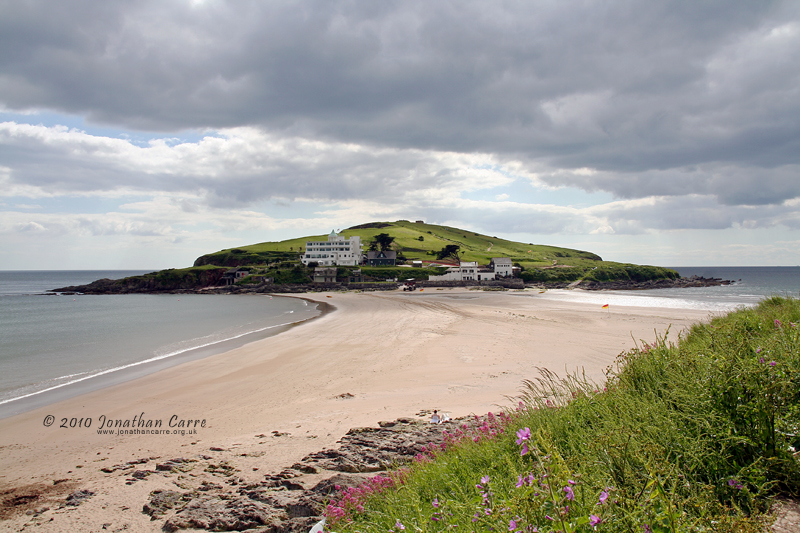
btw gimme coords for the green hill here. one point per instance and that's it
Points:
(419, 241)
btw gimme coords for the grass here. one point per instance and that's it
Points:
(697, 436)
(541, 263)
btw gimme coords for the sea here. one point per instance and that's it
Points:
(55, 346)
(749, 286)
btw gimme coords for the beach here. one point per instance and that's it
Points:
(264, 406)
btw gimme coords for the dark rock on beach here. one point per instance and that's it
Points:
(293, 500)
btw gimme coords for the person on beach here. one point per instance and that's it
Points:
(435, 417)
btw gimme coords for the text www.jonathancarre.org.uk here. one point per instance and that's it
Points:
(137, 425)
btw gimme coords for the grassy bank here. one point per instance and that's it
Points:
(697, 436)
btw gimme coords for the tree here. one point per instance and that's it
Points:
(450, 251)
(383, 241)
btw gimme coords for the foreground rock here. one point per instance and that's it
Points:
(294, 499)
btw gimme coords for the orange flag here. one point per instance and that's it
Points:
(605, 306)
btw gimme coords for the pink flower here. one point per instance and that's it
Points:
(772, 363)
(570, 493)
(524, 449)
(594, 520)
(778, 323)
(435, 503)
(399, 525)
(603, 497)
(523, 435)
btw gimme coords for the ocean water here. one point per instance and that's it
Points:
(751, 285)
(53, 344)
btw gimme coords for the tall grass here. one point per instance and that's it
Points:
(690, 437)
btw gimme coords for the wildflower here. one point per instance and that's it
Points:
(485, 479)
(603, 498)
(778, 323)
(735, 483)
(520, 481)
(572, 482)
(647, 529)
(512, 525)
(570, 493)
(772, 363)
(524, 449)
(549, 517)
(793, 324)
(761, 360)
(435, 503)
(758, 350)
(594, 520)
(399, 525)
(523, 435)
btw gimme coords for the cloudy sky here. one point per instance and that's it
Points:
(141, 134)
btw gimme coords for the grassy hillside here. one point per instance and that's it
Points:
(687, 438)
(417, 241)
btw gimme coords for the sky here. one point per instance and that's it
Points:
(143, 134)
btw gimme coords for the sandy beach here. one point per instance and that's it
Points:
(377, 356)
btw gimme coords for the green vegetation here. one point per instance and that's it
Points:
(697, 436)
(429, 242)
(382, 242)
(239, 257)
(175, 278)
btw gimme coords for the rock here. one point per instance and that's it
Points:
(78, 497)
(305, 468)
(334, 483)
(282, 502)
(160, 502)
(215, 514)
(179, 464)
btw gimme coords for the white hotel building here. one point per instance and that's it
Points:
(335, 251)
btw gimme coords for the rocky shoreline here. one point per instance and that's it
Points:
(108, 286)
(210, 494)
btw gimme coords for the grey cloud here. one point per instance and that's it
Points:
(638, 91)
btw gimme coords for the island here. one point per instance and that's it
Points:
(397, 253)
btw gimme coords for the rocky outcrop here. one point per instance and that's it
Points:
(292, 500)
(163, 281)
(680, 283)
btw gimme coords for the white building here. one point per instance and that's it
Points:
(465, 271)
(470, 271)
(337, 250)
(502, 267)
